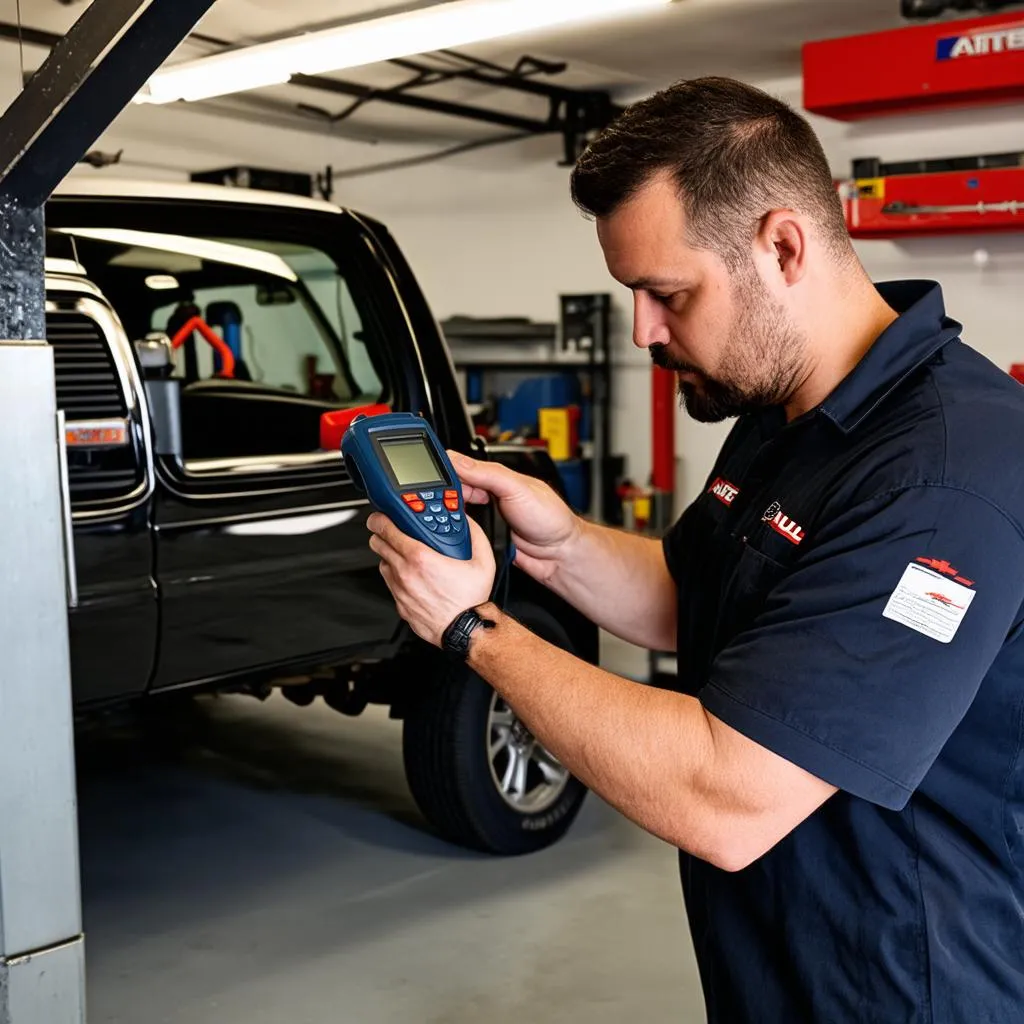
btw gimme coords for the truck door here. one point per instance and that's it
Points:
(113, 622)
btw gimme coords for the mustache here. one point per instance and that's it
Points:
(661, 358)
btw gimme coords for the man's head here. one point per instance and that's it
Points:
(716, 206)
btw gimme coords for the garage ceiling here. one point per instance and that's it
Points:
(752, 39)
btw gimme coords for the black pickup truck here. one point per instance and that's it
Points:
(218, 542)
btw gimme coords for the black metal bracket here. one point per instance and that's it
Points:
(89, 76)
(84, 83)
(573, 113)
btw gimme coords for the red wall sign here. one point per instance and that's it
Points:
(947, 64)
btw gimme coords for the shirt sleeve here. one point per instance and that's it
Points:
(867, 655)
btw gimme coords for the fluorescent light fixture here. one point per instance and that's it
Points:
(439, 27)
(196, 248)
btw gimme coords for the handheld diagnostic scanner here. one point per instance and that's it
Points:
(398, 462)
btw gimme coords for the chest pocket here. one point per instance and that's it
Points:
(745, 590)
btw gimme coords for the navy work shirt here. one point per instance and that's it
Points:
(850, 597)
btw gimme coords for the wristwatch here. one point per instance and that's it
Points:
(455, 639)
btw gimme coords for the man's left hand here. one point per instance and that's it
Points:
(431, 589)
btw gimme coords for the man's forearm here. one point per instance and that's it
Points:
(646, 751)
(621, 582)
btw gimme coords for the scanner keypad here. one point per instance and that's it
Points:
(442, 516)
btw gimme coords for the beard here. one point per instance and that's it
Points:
(760, 367)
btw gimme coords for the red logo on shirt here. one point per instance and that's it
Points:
(781, 523)
(724, 491)
(946, 569)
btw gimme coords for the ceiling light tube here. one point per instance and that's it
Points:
(439, 27)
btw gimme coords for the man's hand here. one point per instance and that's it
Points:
(431, 589)
(618, 580)
(543, 527)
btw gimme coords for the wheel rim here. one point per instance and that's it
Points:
(528, 777)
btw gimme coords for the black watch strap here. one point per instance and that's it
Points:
(455, 639)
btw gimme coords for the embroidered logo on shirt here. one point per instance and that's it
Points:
(724, 491)
(946, 569)
(781, 523)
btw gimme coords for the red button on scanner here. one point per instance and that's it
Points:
(452, 505)
(451, 494)
(417, 506)
(410, 498)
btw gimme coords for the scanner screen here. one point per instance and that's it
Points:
(412, 462)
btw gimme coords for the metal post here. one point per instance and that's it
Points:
(42, 970)
(81, 87)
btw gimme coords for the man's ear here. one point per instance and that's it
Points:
(781, 245)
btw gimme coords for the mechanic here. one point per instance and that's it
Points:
(841, 767)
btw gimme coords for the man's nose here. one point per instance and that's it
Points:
(649, 327)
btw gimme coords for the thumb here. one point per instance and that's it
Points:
(499, 480)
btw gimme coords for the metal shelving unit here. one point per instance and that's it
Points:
(577, 344)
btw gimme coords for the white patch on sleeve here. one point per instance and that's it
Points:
(929, 602)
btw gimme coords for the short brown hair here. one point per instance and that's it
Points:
(734, 152)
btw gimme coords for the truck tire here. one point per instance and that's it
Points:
(514, 801)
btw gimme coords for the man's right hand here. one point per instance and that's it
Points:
(543, 527)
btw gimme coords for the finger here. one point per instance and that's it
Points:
(475, 495)
(385, 529)
(382, 549)
(499, 480)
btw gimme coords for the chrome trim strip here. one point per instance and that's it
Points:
(260, 463)
(70, 569)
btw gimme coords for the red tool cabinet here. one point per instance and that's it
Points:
(954, 202)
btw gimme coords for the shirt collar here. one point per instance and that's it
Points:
(919, 331)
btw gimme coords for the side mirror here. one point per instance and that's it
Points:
(156, 355)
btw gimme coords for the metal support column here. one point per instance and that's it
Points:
(42, 970)
(86, 81)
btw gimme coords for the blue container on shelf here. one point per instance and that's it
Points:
(520, 410)
(576, 480)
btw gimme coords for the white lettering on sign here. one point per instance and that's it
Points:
(781, 523)
(929, 603)
(724, 491)
(982, 44)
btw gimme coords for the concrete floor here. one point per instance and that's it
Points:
(262, 863)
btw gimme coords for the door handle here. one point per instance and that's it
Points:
(70, 569)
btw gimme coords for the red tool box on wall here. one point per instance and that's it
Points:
(969, 62)
(946, 203)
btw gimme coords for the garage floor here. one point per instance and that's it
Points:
(262, 863)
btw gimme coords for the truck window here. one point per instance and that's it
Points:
(301, 340)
